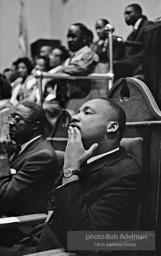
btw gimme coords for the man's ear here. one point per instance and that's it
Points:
(112, 126)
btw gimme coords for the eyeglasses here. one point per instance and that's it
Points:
(17, 119)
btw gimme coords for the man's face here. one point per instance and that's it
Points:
(100, 29)
(55, 58)
(92, 121)
(40, 64)
(131, 16)
(21, 124)
(76, 39)
(22, 70)
(45, 51)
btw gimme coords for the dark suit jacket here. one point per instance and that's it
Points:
(26, 192)
(103, 49)
(105, 198)
(132, 63)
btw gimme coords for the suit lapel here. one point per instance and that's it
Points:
(20, 157)
(136, 34)
(140, 29)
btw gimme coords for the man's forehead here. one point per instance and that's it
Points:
(22, 110)
(74, 29)
(96, 104)
(129, 9)
(56, 51)
(100, 23)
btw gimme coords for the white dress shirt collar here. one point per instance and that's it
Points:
(137, 24)
(94, 158)
(23, 146)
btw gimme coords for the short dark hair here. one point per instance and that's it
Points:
(90, 36)
(83, 28)
(136, 7)
(37, 113)
(27, 62)
(105, 22)
(118, 114)
(6, 70)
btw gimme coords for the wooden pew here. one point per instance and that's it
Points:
(55, 252)
(144, 120)
(8, 222)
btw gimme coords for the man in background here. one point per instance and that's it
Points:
(101, 46)
(132, 63)
(45, 50)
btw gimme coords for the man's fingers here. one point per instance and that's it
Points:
(90, 151)
(77, 134)
(70, 134)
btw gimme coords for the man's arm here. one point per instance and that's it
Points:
(14, 189)
(81, 66)
(107, 205)
(112, 205)
(75, 154)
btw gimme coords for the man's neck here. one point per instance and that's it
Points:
(105, 146)
(28, 139)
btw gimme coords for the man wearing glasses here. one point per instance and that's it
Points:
(24, 187)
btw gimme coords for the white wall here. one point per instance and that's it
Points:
(37, 15)
(50, 19)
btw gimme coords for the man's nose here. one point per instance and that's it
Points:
(69, 39)
(75, 118)
(11, 123)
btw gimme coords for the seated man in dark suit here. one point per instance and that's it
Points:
(24, 188)
(101, 184)
(132, 63)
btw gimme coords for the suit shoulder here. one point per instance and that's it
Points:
(43, 147)
(126, 166)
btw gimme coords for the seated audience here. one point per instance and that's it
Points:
(41, 63)
(24, 84)
(132, 63)
(55, 98)
(101, 185)
(101, 46)
(54, 90)
(90, 37)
